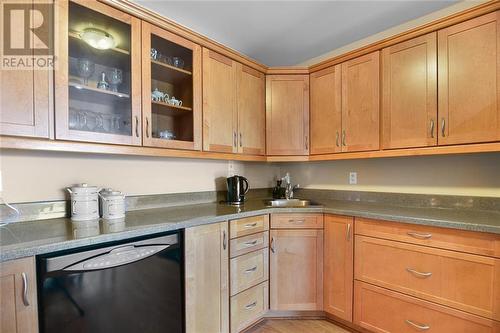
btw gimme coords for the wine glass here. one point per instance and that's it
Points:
(85, 69)
(115, 78)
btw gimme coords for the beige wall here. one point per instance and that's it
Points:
(475, 175)
(40, 176)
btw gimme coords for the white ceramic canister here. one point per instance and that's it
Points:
(112, 204)
(84, 202)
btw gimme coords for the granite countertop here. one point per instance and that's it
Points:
(22, 239)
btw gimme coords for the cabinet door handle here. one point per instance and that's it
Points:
(443, 126)
(307, 142)
(224, 240)
(337, 143)
(136, 126)
(348, 236)
(241, 140)
(417, 326)
(251, 305)
(343, 138)
(419, 274)
(147, 127)
(418, 235)
(432, 128)
(250, 270)
(296, 221)
(25, 289)
(272, 244)
(235, 139)
(252, 243)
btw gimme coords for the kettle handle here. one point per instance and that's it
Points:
(246, 187)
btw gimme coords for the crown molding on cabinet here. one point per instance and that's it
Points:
(167, 24)
(441, 23)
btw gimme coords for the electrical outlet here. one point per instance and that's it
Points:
(353, 178)
(231, 169)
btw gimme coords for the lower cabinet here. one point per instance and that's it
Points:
(338, 266)
(18, 301)
(207, 278)
(249, 271)
(381, 310)
(296, 268)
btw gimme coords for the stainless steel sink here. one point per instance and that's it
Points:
(284, 203)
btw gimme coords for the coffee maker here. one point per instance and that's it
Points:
(237, 187)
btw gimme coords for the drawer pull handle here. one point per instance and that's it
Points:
(418, 274)
(252, 243)
(417, 326)
(26, 302)
(250, 270)
(251, 305)
(251, 225)
(296, 221)
(418, 235)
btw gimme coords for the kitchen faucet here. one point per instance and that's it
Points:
(288, 186)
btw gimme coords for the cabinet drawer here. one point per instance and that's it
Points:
(248, 226)
(248, 270)
(246, 244)
(297, 221)
(463, 281)
(451, 239)
(249, 306)
(383, 311)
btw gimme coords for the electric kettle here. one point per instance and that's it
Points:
(237, 187)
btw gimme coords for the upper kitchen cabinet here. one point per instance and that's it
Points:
(26, 97)
(171, 90)
(409, 93)
(469, 81)
(287, 114)
(251, 111)
(360, 103)
(98, 85)
(233, 106)
(219, 103)
(326, 110)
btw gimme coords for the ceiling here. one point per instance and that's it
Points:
(284, 33)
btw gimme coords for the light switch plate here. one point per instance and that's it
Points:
(353, 178)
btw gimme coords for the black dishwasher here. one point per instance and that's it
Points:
(129, 286)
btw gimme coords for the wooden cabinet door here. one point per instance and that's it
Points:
(469, 81)
(26, 105)
(18, 301)
(219, 103)
(296, 270)
(89, 105)
(338, 266)
(207, 278)
(326, 110)
(360, 103)
(409, 93)
(251, 111)
(287, 114)
(160, 116)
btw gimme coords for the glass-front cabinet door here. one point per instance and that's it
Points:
(171, 90)
(98, 87)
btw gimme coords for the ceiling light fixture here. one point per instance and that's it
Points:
(98, 39)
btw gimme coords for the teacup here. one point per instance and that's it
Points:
(175, 102)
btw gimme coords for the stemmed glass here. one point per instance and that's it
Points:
(115, 78)
(85, 69)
